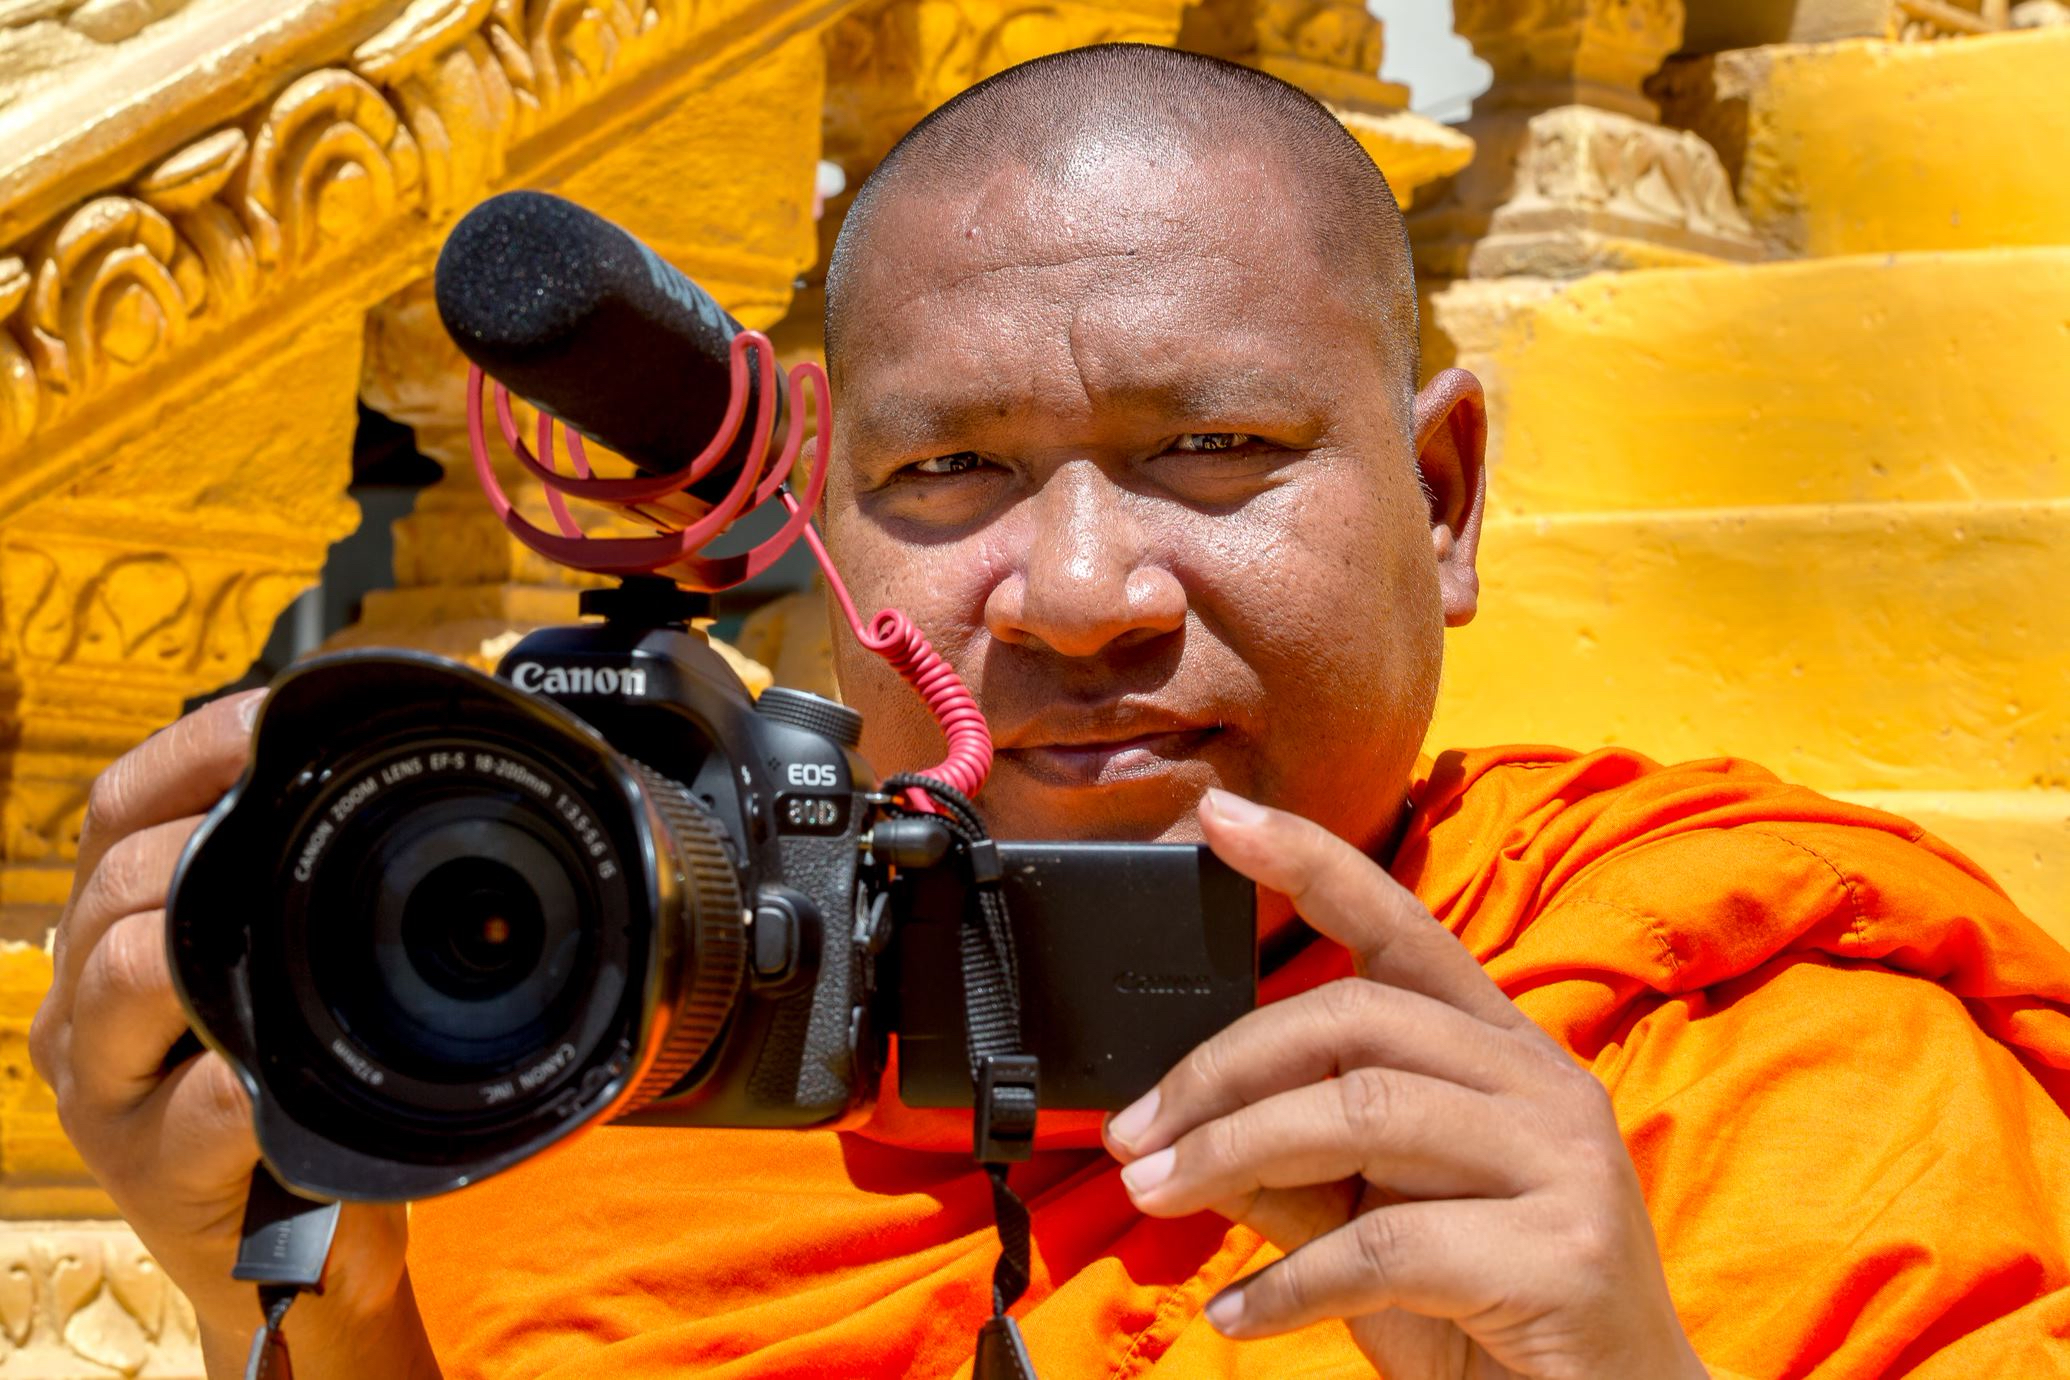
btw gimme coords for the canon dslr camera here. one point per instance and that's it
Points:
(447, 918)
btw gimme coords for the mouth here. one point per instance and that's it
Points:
(1109, 761)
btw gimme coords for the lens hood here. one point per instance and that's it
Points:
(435, 927)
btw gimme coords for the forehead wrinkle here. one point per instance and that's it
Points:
(913, 289)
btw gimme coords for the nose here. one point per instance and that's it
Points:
(1085, 582)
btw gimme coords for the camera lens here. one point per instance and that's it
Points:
(455, 943)
(459, 930)
(473, 928)
(444, 923)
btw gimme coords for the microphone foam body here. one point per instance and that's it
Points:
(583, 321)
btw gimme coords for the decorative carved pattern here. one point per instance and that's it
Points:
(420, 122)
(179, 613)
(132, 632)
(1328, 33)
(103, 21)
(1332, 48)
(1573, 174)
(114, 287)
(891, 62)
(330, 158)
(1577, 189)
(73, 1293)
(1580, 157)
(464, 85)
(1321, 31)
(20, 397)
(1553, 52)
(185, 187)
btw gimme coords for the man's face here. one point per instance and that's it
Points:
(1135, 461)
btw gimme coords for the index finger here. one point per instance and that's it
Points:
(1350, 898)
(182, 769)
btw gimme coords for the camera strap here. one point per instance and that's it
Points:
(1005, 1079)
(286, 1240)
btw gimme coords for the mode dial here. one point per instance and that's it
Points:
(816, 713)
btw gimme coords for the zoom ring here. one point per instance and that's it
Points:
(712, 943)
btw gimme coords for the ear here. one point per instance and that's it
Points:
(1451, 455)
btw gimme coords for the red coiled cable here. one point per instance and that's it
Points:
(890, 634)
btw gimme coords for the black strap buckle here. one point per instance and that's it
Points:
(1003, 1129)
(287, 1239)
(1001, 1354)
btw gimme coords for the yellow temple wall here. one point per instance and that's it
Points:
(1813, 510)
(1868, 147)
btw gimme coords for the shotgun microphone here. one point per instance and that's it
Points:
(580, 319)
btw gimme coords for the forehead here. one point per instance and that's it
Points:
(1134, 260)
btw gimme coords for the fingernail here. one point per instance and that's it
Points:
(1225, 1311)
(1131, 1121)
(248, 712)
(1234, 808)
(1149, 1171)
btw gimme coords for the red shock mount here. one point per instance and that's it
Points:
(678, 554)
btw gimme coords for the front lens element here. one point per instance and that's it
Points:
(476, 933)
(473, 929)
(461, 932)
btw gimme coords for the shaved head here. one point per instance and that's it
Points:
(1079, 121)
(1123, 350)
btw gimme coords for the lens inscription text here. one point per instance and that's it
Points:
(357, 1062)
(305, 866)
(358, 795)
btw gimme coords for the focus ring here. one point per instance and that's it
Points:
(711, 939)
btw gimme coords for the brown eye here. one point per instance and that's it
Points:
(962, 462)
(1201, 442)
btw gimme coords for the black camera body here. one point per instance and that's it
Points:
(446, 919)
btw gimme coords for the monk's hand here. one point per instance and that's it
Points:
(1441, 1174)
(167, 1133)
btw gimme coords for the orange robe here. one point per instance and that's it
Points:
(1840, 1058)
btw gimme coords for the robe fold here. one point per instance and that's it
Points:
(1839, 1056)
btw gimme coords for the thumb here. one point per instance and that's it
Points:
(1348, 897)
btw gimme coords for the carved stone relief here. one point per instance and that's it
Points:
(418, 122)
(1573, 173)
(1556, 52)
(79, 1299)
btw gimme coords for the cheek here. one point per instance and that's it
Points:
(1313, 577)
(1329, 599)
(940, 586)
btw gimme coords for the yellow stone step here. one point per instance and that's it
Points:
(1866, 146)
(2022, 838)
(1849, 647)
(1914, 378)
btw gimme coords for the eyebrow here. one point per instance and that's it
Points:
(897, 419)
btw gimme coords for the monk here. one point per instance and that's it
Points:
(1570, 1065)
